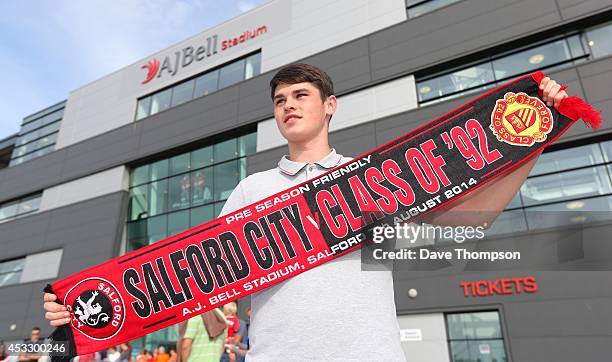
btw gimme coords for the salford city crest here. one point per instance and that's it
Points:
(96, 308)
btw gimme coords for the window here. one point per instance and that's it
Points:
(171, 195)
(38, 134)
(143, 108)
(416, 8)
(199, 86)
(10, 271)
(476, 77)
(565, 187)
(599, 40)
(489, 72)
(158, 197)
(532, 59)
(231, 74)
(475, 336)
(161, 101)
(253, 66)
(206, 84)
(567, 159)
(182, 93)
(18, 208)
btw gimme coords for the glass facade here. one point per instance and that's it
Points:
(475, 337)
(199, 86)
(565, 187)
(598, 39)
(180, 192)
(551, 55)
(38, 134)
(17, 208)
(10, 271)
(416, 8)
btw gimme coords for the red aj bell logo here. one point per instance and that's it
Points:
(521, 120)
(96, 308)
(152, 67)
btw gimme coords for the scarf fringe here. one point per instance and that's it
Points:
(574, 107)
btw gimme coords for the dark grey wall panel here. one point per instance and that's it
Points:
(595, 78)
(31, 176)
(561, 349)
(100, 152)
(88, 233)
(255, 102)
(87, 228)
(196, 118)
(348, 65)
(458, 29)
(22, 306)
(576, 8)
(597, 81)
(354, 141)
(588, 316)
(389, 128)
(262, 161)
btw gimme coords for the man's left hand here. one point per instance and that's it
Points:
(551, 92)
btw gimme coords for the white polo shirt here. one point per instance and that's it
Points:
(334, 312)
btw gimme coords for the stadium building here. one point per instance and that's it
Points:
(156, 147)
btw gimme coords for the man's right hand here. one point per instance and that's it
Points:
(56, 314)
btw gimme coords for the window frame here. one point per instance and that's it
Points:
(502, 331)
(194, 78)
(492, 58)
(20, 271)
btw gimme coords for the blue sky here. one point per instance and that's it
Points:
(48, 48)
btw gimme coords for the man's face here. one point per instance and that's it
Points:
(300, 113)
(35, 334)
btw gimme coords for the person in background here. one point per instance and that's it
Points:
(143, 356)
(240, 339)
(112, 354)
(233, 331)
(202, 343)
(247, 312)
(3, 354)
(90, 357)
(34, 339)
(173, 356)
(124, 353)
(155, 352)
(162, 356)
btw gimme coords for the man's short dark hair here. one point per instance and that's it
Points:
(300, 73)
(36, 329)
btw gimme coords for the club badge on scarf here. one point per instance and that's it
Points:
(304, 226)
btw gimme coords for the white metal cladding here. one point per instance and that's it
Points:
(89, 187)
(295, 29)
(41, 266)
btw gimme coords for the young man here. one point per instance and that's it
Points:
(334, 311)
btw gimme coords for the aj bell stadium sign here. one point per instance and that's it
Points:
(193, 54)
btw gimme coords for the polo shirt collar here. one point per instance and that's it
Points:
(292, 167)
